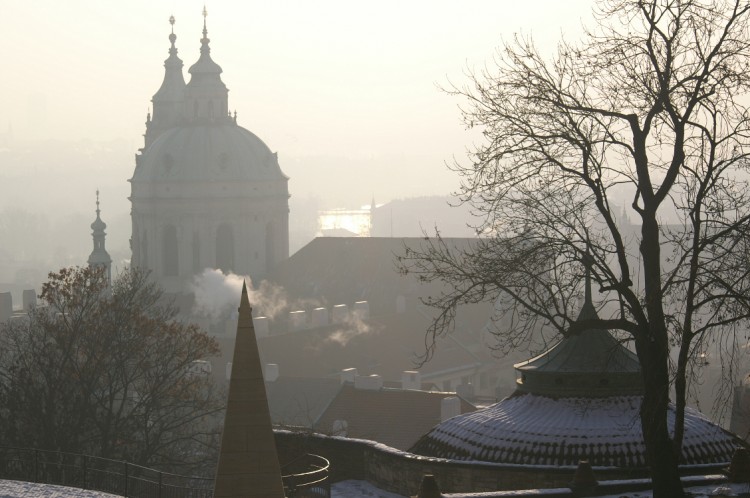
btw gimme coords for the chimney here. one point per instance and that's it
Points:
(339, 428)
(297, 320)
(271, 372)
(372, 382)
(28, 298)
(348, 375)
(449, 408)
(362, 310)
(6, 306)
(339, 313)
(319, 317)
(260, 324)
(465, 390)
(411, 379)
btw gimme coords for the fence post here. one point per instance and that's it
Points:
(36, 465)
(85, 470)
(126, 479)
(159, 495)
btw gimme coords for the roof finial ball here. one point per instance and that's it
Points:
(172, 36)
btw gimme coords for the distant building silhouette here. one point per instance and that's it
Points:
(206, 193)
(99, 255)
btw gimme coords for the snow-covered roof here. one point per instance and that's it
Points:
(532, 429)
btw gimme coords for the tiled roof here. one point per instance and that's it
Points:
(330, 271)
(395, 417)
(295, 401)
(387, 346)
(336, 270)
(538, 430)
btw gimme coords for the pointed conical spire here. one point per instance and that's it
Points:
(169, 100)
(99, 255)
(248, 462)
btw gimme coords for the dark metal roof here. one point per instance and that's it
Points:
(591, 363)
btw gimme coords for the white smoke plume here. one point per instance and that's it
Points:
(217, 293)
(351, 327)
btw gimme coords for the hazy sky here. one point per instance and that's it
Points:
(345, 91)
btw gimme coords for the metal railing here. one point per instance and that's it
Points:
(100, 474)
(305, 477)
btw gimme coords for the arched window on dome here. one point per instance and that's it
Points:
(170, 261)
(225, 248)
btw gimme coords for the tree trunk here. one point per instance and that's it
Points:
(680, 388)
(652, 347)
(660, 452)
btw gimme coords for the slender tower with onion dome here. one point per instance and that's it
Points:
(99, 255)
(206, 192)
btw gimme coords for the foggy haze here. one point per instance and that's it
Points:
(347, 94)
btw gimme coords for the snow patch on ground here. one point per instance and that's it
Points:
(20, 489)
(352, 489)
(347, 489)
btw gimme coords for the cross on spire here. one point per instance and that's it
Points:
(205, 31)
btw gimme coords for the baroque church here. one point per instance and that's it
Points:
(206, 192)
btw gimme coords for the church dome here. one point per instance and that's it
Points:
(98, 225)
(208, 153)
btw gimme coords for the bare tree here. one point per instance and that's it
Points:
(108, 372)
(649, 104)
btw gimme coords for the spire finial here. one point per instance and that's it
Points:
(97, 203)
(172, 36)
(205, 31)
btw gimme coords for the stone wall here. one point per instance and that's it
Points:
(402, 472)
